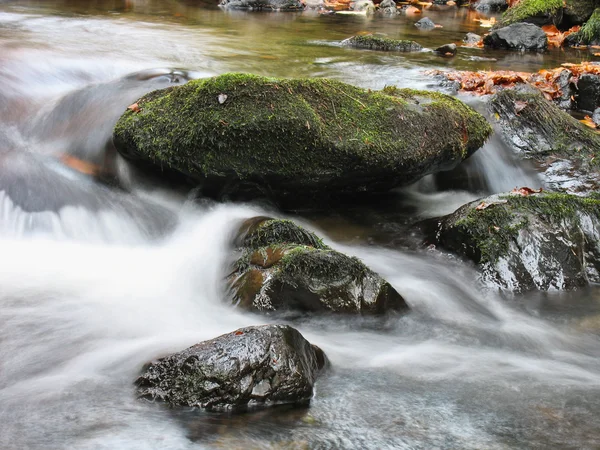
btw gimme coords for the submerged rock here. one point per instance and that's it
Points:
(471, 38)
(371, 42)
(284, 267)
(241, 135)
(388, 8)
(519, 36)
(567, 152)
(277, 5)
(446, 50)
(491, 5)
(520, 243)
(264, 365)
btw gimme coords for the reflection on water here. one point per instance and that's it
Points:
(97, 279)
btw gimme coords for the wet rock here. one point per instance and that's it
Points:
(566, 151)
(296, 139)
(277, 5)
(596, 116)
(371, 42)
(425, 24)
(522, 243)
(388, 8)
(538, 12)
(263, 365)
(283, 267)
(491, 5)
(446, 50)
(471, 38)
(567, 89)
(576, 12)
(519, 36)
(588, 95)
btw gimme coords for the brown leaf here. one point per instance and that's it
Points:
(520, 105)
(135, 108)
(525, 191)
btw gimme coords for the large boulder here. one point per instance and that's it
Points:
(240, 134)
(576, 12)
(538, 12)
(283, 267)
(264, 365)
(531, 241)
(518, 36)
(566, 151)
(371, 42)
(276, 5)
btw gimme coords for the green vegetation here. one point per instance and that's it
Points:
(590, 31)
(489, 232)
(278, 231)
(528, 8)
(300, 134)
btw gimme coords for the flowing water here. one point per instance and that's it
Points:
(98, 278)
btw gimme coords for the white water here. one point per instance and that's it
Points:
(104, 281)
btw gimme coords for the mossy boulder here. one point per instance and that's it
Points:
(371, 42)
(264, 365)
(566, 151)
(283, 267)
(521, 243)
(246, 135)
(538, 12)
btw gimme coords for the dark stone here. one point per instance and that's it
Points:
(491, 5)
(447, 50)
(283, 267)
(576, 12)
(518, 36)
(264, 365)
(425, 24)
(566, 151)
(277, 5)
(471, 38)
(588, 95)
(371, 42)
(522, 243)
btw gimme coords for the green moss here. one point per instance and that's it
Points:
(529, 8)
(278, 232)
(590, 31)
(372, 42)
(300, 132)
(491, 230)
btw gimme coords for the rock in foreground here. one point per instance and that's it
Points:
(567, 151)
(284, 267)
(537, 241)
(519, 36)
(245, 134)
(269, 364)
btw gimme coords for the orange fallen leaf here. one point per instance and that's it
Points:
(135, 108)
(80, 165)
(520, 105)
(525, 191)
(587, 120)
(486, 23)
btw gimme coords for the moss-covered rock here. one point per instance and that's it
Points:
(539, 241)
(576, 12)
(265, 365)
(284, 267)
(539, 12)
(590, 31)
(239, 133)
(372, 42)
(567, 152)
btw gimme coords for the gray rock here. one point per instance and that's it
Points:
(471, 38)
(382, 44)
(263, 365)
(491, 5)
(447, 50)
(588, 95)
(388, 8)
(596, 116)
(522, 243)
(425, 24)
(518, 36)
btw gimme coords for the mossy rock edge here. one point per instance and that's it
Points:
(283, 267)
(240, 133)
(542, 241)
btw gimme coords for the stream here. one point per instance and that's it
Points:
(96, 279)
